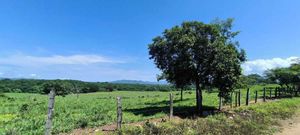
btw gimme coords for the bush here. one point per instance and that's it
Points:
(24, 108)
(82, 123)
(2, 95)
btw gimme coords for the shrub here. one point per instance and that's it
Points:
(2, 95)
(24, 108)
(82, 123)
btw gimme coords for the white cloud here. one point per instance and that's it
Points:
(33, 75)
(78, 59)
(79, 67)
(260, 65)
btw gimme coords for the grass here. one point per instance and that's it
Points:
(22, 113)
(251, 120)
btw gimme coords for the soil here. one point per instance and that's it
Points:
(290, 126)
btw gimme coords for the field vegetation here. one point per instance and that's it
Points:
(257, 119)
(25, 113)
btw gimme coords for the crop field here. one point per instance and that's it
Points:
(22, 113)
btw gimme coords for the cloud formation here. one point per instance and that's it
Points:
(90, 67)
(260, 65)
(78, 59)
(80, 67)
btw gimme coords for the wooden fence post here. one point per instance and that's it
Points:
(270, 93)
(285, 91)
(276, 92)
(247, 96)
(256, 94)
(231, 94)
(181, 95)
(119, 113)
(171, 105)
(236, 99)
(294, 91)
(264, 95)
(220, 102)
(239, 97)
(50, 112)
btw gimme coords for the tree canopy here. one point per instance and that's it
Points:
(285, 76)
(199, 54)
(74, 86)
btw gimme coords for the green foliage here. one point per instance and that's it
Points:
(95, 109)
(2, 95)
(27, 113)
(24, 108)
(199, 54)
(246, 81)
(252, 120)
(73, 86)
(285, 76)
(59, 88)
(82, 123)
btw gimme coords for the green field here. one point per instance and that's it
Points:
(26, 113)
(259, 119)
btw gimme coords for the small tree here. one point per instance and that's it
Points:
(199, 54)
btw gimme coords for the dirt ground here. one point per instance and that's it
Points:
(290, 126)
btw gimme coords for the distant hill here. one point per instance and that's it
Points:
(139, 82)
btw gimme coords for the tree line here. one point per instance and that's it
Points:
(73, 86)
(287, 76)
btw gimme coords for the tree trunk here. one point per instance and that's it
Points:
(199, 98)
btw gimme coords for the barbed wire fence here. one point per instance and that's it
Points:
(264, 95)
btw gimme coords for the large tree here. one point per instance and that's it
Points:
(199, 54)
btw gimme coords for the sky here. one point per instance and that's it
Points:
(97, 40)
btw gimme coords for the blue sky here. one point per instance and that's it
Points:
(99, 40)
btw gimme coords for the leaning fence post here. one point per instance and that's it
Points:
(171, 105)
(264, 95)
(256, 96)
(247, 97)
(119, 113)
(50, 112)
